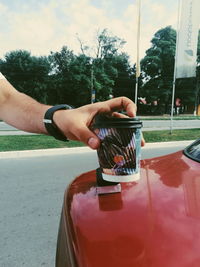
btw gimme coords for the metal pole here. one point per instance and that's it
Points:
(197, 95)
(92, 84)
(175, 67)
(172, 106)
(136, 89)
(138, 52)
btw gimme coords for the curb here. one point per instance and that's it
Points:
(168, 144)
(79, 150)
(44, 152)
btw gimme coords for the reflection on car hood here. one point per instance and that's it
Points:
(153, 222)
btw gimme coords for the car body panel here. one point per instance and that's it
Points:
(153, 222)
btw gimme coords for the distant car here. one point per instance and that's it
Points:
(154, 222)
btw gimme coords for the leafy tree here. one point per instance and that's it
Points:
(107, 45)
(60, 75)
(81, 80)
(104, 64)
(28, 74)
(158, 68)
(102, 79)
(64, 77)
(124, 82)
(71, 74)
(185, 91)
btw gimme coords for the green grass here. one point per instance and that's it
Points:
(150, 118)
(29, 142)
(177, 135)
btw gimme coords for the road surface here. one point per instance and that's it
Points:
(31, 195)
(6, 129)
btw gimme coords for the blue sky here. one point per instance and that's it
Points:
(46, 25)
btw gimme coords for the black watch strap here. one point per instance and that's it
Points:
(50, 126)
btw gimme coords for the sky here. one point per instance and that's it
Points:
(47, 25)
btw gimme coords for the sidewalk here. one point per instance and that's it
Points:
(80, 150)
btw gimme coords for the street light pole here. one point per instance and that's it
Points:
(92, 92)
(138, 53)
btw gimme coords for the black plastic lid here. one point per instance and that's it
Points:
(103, 121)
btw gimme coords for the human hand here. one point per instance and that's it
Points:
(74, 123)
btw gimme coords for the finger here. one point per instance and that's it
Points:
(123, 103)
(86, 136)
(115, 104)
(71, 136)
(119, 115)
(142, 140)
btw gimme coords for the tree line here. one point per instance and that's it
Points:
(64, 77)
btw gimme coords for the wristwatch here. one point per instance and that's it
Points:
(50, 125)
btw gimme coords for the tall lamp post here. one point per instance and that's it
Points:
(138, 52)
(92, 90)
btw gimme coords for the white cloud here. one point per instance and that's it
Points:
(55, 24)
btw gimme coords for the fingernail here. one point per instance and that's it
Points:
(93, 143)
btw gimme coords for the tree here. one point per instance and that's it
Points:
(186, 92)
(158, 68)
(71, 75)
(64, 77)
(104, 63)
(107, 45)
(124, 82)
(81, 80)
(28, 74)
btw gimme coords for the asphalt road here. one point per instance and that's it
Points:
(6, 129)
(31, 195)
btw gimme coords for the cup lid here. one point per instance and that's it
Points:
(105, 121)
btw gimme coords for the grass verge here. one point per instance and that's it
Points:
(167, 118)
(30, 142)
(177, 135)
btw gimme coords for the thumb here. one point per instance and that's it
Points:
(88, 137)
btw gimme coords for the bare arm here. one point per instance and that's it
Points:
(24, 113)
(20, 110)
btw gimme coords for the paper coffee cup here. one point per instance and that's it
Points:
(120, 150)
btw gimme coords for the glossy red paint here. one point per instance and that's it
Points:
(153, 222)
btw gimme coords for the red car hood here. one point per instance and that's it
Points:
(152, 223)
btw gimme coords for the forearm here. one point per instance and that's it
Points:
(20, 110)
(25, 113)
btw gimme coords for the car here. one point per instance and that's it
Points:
(152, 222)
